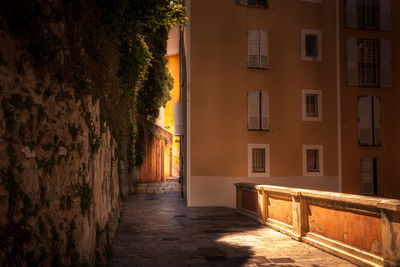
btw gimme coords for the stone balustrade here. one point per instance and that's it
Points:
(361, 229)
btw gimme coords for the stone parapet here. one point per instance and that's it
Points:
(361, 229)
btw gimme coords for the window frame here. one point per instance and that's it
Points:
(318, 34)
(267, 165)
(320, 172)
(306, 92)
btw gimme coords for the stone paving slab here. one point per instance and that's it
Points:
(158, 230)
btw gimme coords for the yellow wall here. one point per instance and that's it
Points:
(388, 152)
(173, 66)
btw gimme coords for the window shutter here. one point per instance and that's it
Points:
(351, 13)
(351, 62)
(385, 15)
(367, 176)
(178, 118)
(264, 49)
(253, 48)
(253, 112)
(386, 63)
(377, 120)
(264, 110)
(365, 120)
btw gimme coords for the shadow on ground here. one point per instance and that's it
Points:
(158, 230)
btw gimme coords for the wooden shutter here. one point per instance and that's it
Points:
(385, 15)
(365, 120)
(253, 110)
(351, 13)
(264, 49)
(253, 48)
(178, 118)
(377, 120)
(351, 62)
(367, 176)
(264, 110)
(386, 63)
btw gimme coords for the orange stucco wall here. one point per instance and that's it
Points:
(156, 165)
(220, 80)
(388, 152)
(280, 209)
(361, 231)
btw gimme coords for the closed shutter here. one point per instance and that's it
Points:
(178, 118)
(365, 120)
(385, 15)
(367, 176)
(253, 112)
(351, 13)
(386, 63)
(377, 120)
(264, 49)
(264, 110)
(351, 62)
(253, 48)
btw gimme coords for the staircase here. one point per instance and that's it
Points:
(159, 188)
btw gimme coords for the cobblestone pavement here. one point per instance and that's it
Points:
(158, 230)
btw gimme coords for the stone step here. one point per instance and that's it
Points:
(159, 188)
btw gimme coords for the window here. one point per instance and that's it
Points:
(312, 160)
(369, 121)
(368, 14)
(311, 105)
(253, 3)
(258, 160)
(311, 45)
(258, 49)
(369, 176)
(258, 164)
(257, 111)
(368, 62)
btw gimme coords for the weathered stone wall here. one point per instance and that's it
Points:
(60, 196)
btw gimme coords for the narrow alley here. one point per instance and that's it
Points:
(158, 230)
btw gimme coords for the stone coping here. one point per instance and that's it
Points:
(378, 202)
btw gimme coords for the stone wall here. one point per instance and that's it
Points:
(60, 196)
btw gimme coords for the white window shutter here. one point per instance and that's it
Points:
(351, 62)
(264, 110)
(253, 38)
(365, 120)
(377, 120)
(367, 176)
(253, 110)
(385, 15)
(264, 49)
(351, 13)
(178, 118)
(386, 63)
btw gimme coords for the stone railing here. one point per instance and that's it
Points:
(363, 230)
